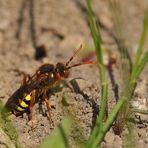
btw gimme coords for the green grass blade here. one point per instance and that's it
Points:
(98, 126)
(132, 82)
(108, 122)
(94, 32)
(100, 130)
(97, 42)
(59, 136)
(133, 77)
(140, 47)
(142, 64)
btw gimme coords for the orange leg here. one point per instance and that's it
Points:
(45, 97)
(25, 79)
(32, 109)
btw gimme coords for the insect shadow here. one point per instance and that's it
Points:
(95, 106)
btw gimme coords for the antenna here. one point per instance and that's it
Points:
(75, 53)
(82, 63)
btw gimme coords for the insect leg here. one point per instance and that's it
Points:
(25, 79)
(45, 97)
(32, 109)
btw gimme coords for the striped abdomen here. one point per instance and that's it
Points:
(23, 105)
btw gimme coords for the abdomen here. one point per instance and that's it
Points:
(23, 105)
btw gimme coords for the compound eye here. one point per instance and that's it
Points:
(60, 68)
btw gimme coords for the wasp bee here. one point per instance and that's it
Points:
(47, 76)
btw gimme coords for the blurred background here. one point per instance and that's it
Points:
(33, 32)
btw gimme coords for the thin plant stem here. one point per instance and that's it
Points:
(134, 75)
(142, 64)
(104, 85)
(108, 122)
(101, 129)
(135, 71)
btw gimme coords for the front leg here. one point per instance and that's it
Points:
(32, 109)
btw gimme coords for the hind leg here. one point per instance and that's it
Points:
(32, 109)
(26, 77)
(48, 106)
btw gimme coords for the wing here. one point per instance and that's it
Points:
(37, 81)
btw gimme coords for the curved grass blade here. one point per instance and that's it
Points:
(59, 137)
(142, 64)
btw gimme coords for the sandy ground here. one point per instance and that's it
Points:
(62, 26)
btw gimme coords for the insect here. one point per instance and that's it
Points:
(36, 86)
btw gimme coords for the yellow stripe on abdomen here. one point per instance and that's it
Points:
(28, 97)
(23, 104)
(20, 109)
